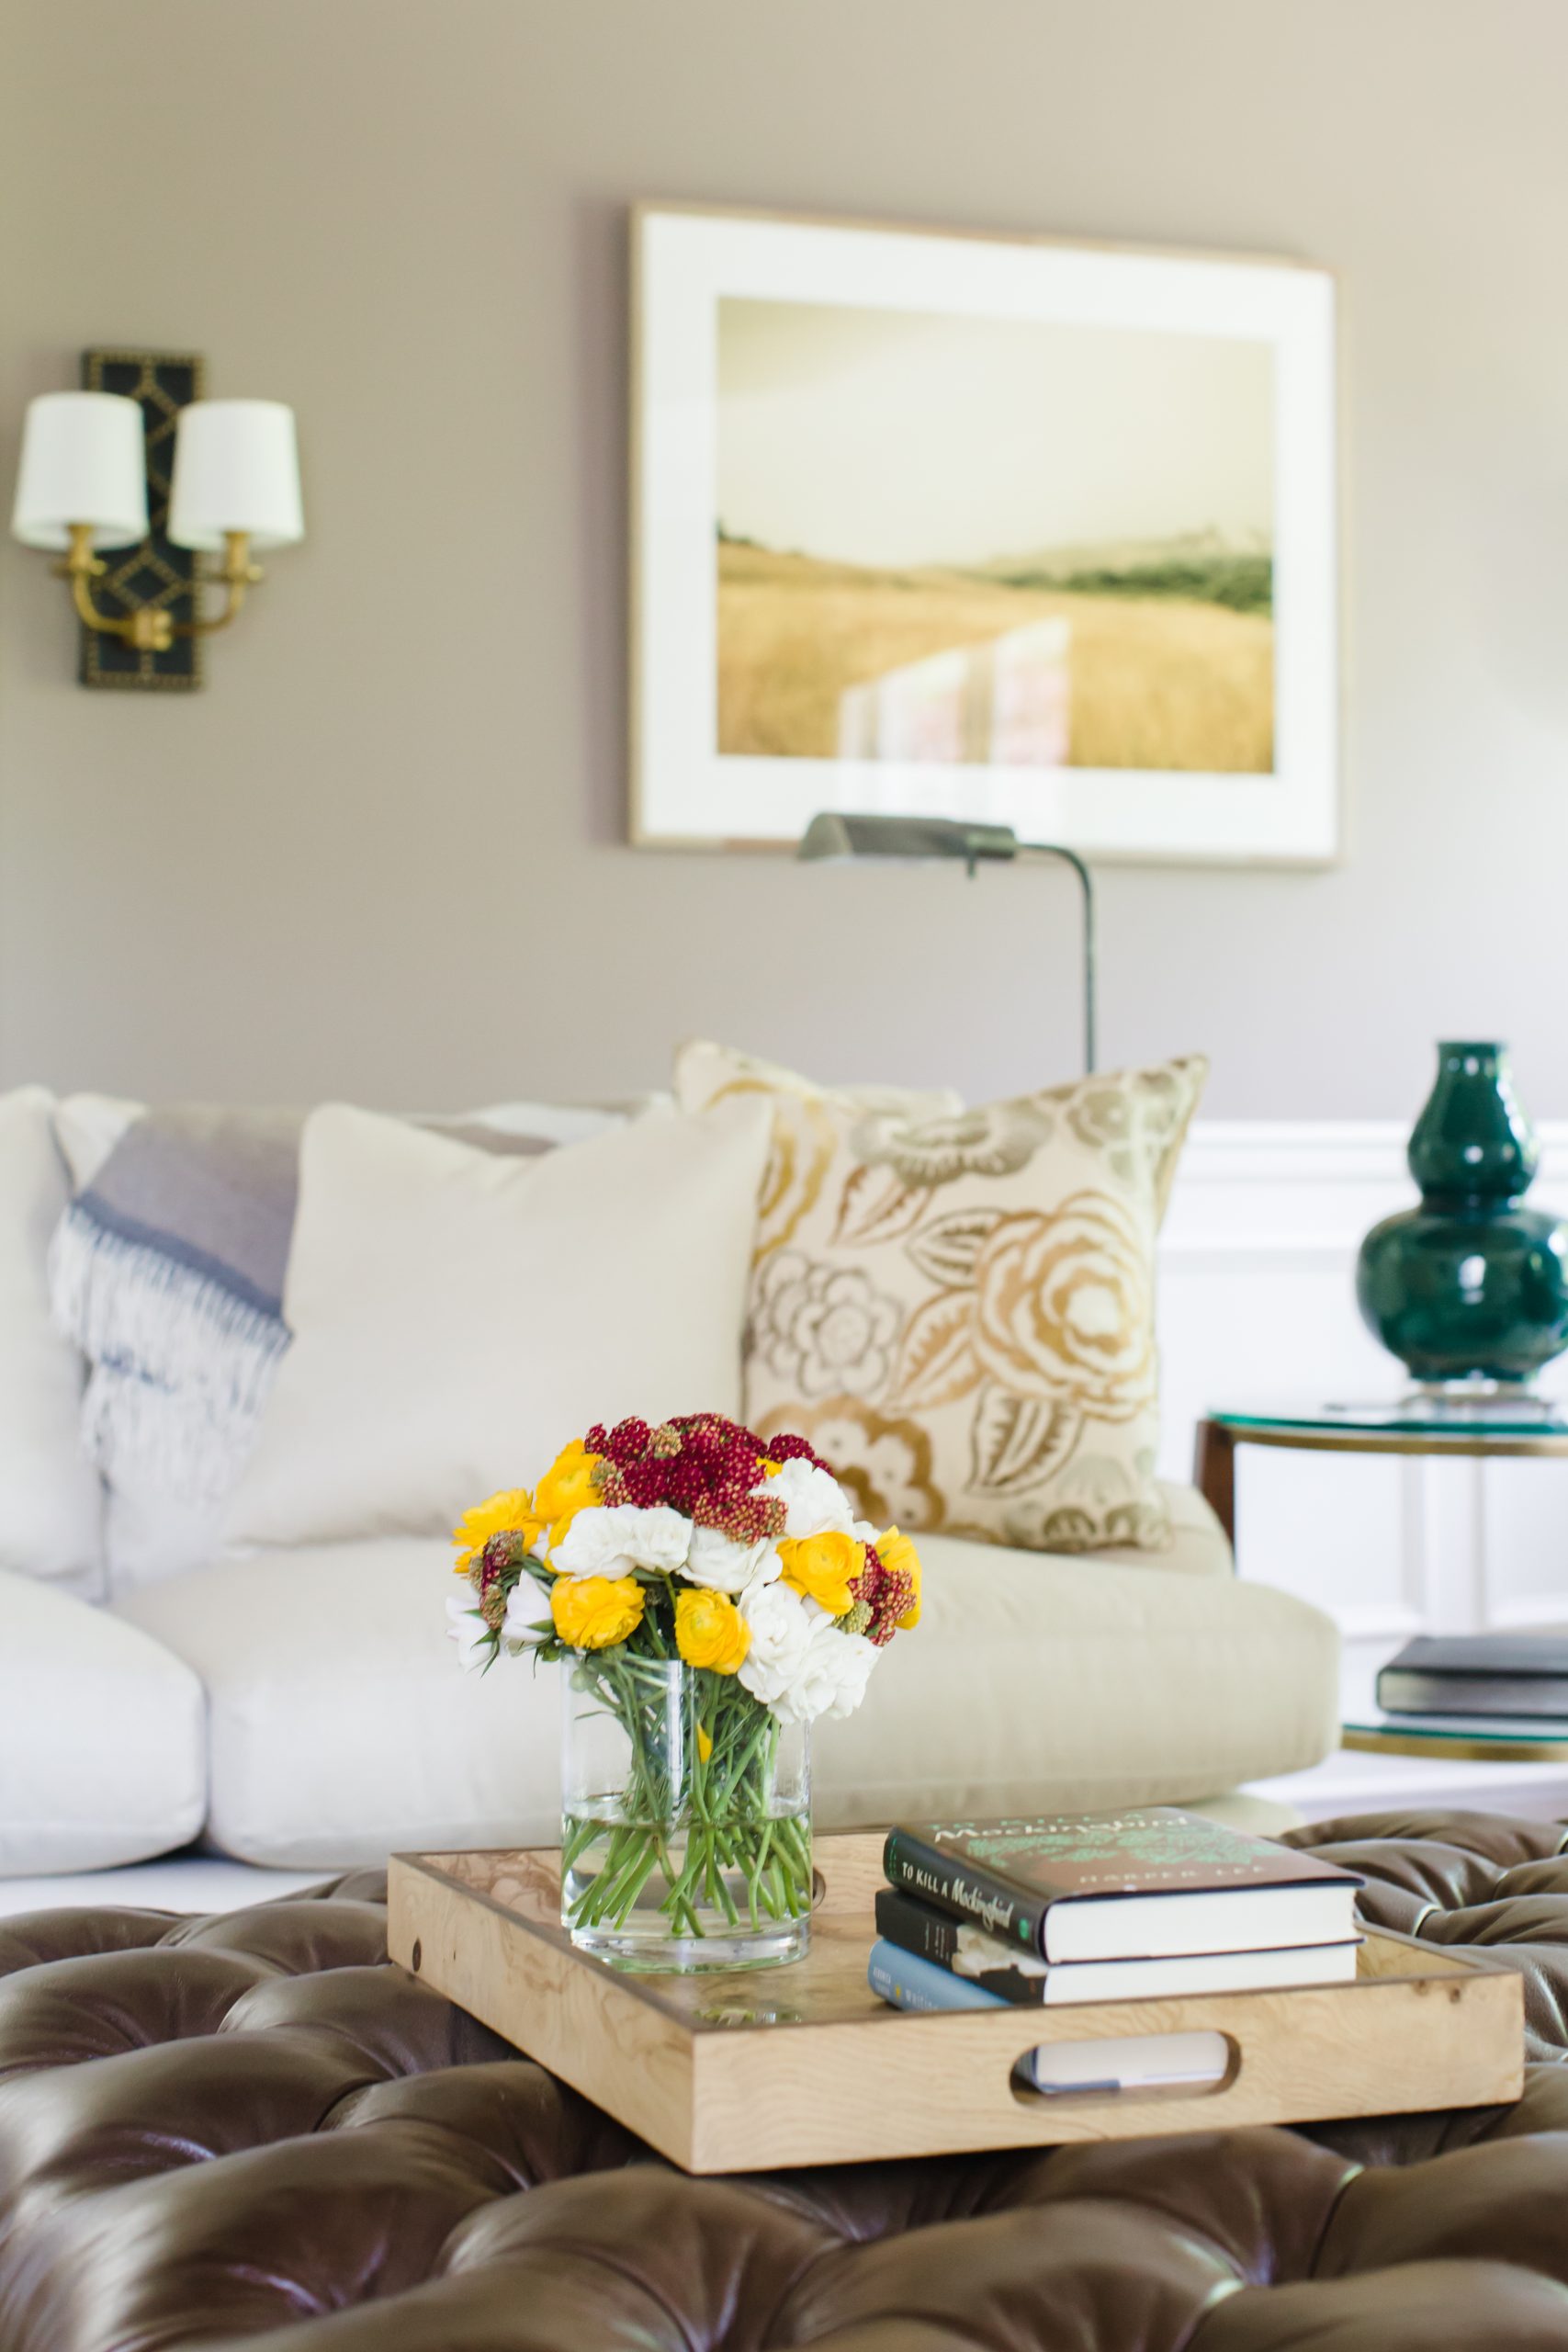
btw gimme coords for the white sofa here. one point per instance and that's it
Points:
(302, 1707)
(219, 1700)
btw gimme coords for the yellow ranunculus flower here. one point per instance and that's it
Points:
(711, 1632)
(595, 1612)
(511, 1510)
(899, 1557)
(823, 1568)
(704, 1745)
(566, 1489)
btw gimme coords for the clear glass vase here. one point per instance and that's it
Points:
(685, 1818)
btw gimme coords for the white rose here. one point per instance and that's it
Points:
(468, 1629)
(831, 1677)
(526, 1607)
(716, 1560)
(610, 1539)
(780, 1635)
(815, 1503)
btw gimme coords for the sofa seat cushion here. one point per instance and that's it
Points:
(103, 1738)
(1197, 1545)
(1043, 1681)
(342, 1730)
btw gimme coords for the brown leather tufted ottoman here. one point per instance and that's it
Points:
(249, 2128)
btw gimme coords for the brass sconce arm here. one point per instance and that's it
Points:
(238, 575)
(149, 629)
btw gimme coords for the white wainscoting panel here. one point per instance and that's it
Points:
(1257, 1306)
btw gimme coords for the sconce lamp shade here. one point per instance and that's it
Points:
(236, 469)
(83, 461)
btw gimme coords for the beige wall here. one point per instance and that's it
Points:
(382, 855)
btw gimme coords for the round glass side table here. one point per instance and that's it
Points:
(1487, 1426)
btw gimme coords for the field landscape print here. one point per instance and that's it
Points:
(993, 541)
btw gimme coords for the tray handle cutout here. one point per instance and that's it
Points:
(1141, 2066)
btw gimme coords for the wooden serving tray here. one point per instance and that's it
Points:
(752, 2069)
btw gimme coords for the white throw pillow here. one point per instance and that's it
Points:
(51, 1500)
(176, 1380)
(458, 1317)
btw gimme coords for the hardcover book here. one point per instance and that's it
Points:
(1138, 2061)
(1153, 1883)
(1478, 1674)
(989, 1965)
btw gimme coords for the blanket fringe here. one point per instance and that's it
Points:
(181, 1367)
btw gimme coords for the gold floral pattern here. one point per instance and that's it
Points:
(888, 1461)
(903, 1159)
(1139, 1129)
(1064, 1306)
(963, 1320)
(799, 1158)
(807, 1125)
(825, 1328)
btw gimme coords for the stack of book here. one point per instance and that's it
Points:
(1503, 1679)
(1127, 1907)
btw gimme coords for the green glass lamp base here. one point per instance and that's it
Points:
(1470, 1290)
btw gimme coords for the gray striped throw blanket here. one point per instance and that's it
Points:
(167, 1272)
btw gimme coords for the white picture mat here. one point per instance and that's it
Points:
(686, 262)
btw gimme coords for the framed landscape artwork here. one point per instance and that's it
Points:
(1030, 533)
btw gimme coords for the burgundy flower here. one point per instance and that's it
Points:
(886, 1597)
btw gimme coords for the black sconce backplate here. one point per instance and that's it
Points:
(156, 573)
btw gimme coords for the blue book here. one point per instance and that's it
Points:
(907, 1982)
(1145, 2062)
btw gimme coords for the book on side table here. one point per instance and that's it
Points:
(1509, 1675)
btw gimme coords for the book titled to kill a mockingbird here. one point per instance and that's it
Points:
(1151, 1883)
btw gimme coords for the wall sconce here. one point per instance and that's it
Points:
(82, 486)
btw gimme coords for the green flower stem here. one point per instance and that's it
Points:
(737, 1859)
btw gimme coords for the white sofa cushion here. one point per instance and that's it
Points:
(458, 1318)
(341, 1728)
(169, 1276)
(51, 1498)
(1082, 1684)
(102, 1737)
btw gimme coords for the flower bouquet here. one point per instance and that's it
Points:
(709, 1594)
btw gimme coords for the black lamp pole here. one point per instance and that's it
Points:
(832, 836)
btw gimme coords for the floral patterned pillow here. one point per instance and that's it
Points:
(957, 1307)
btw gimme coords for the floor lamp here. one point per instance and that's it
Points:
(832, 836)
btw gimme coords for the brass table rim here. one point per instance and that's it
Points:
(1313, 1439)
(1463, 1749)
